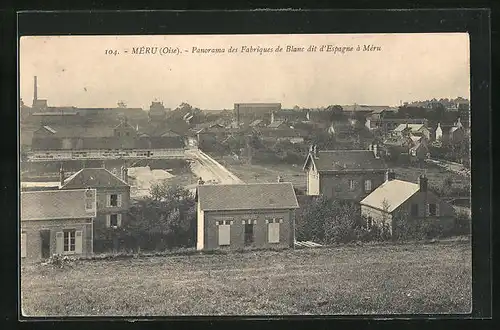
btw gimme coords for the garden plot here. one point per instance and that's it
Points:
(143, 178)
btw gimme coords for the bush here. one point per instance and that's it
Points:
(329, 222)
(61, 261)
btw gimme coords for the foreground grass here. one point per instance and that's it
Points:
(412, 278)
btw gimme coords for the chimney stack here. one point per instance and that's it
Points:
(315, 151)
(391, 175)
(125, 174)
(375, 151)
(35, 91)
(61, 176)
(200, 181)
(280, 179)
(423, 183)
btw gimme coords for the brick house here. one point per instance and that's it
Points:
(113, 199)
(344, 174)
(396, 200)
(57, 222)
(246, 215)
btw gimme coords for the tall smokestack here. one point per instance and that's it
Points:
(35, 92)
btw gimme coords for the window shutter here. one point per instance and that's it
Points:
(59, 242)
(119, 220)
(119, 200)
(23, 245)
(273, 232)
(108, 201)
(437, 209)
(108, 220)
(78, 241)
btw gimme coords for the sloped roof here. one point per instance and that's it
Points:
(79, 131)
(247, 196)
(255, 122)
(93, 178)
(411, 127)
(395, 192)
(276, 124)
(54, 204)
(345, 160)
(454, 128)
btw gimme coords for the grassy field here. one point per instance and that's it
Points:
(435, 174)
(410, 278)
(267, 173)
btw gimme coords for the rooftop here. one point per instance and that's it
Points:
(393, 193)
(341, 160)
(93, 178)
(264, 105)
(54, 204)
(275, 124)
(411, 127)
(247, 196)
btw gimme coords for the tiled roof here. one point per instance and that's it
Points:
(247, 196)
(395, 192)
(342, 160)
(93, 178)
(411, 127)
(54, 204)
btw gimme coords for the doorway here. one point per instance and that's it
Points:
(45, 243)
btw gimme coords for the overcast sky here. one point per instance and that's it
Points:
(74, 70)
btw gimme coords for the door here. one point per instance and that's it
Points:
(45, 242)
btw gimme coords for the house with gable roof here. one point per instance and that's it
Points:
(238, 216)
(57, 222)
(412, 129)
(112, 197)
(344, 174)
(397, 201)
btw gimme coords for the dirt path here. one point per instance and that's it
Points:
(210, 170)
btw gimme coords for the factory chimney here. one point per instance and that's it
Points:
(35, 92)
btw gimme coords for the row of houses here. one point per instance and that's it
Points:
(65, 220)
(122, 136)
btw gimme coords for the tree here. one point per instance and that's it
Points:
(165, 219)
(335, 112)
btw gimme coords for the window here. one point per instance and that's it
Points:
(414, 210)
(368, 185)
(273, 230)
(23, 245)
(115, 200)
(113, 220)
(69, 241)
(224, 232)
(351, 185)
(433, 210)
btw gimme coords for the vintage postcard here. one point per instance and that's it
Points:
(312, 174)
